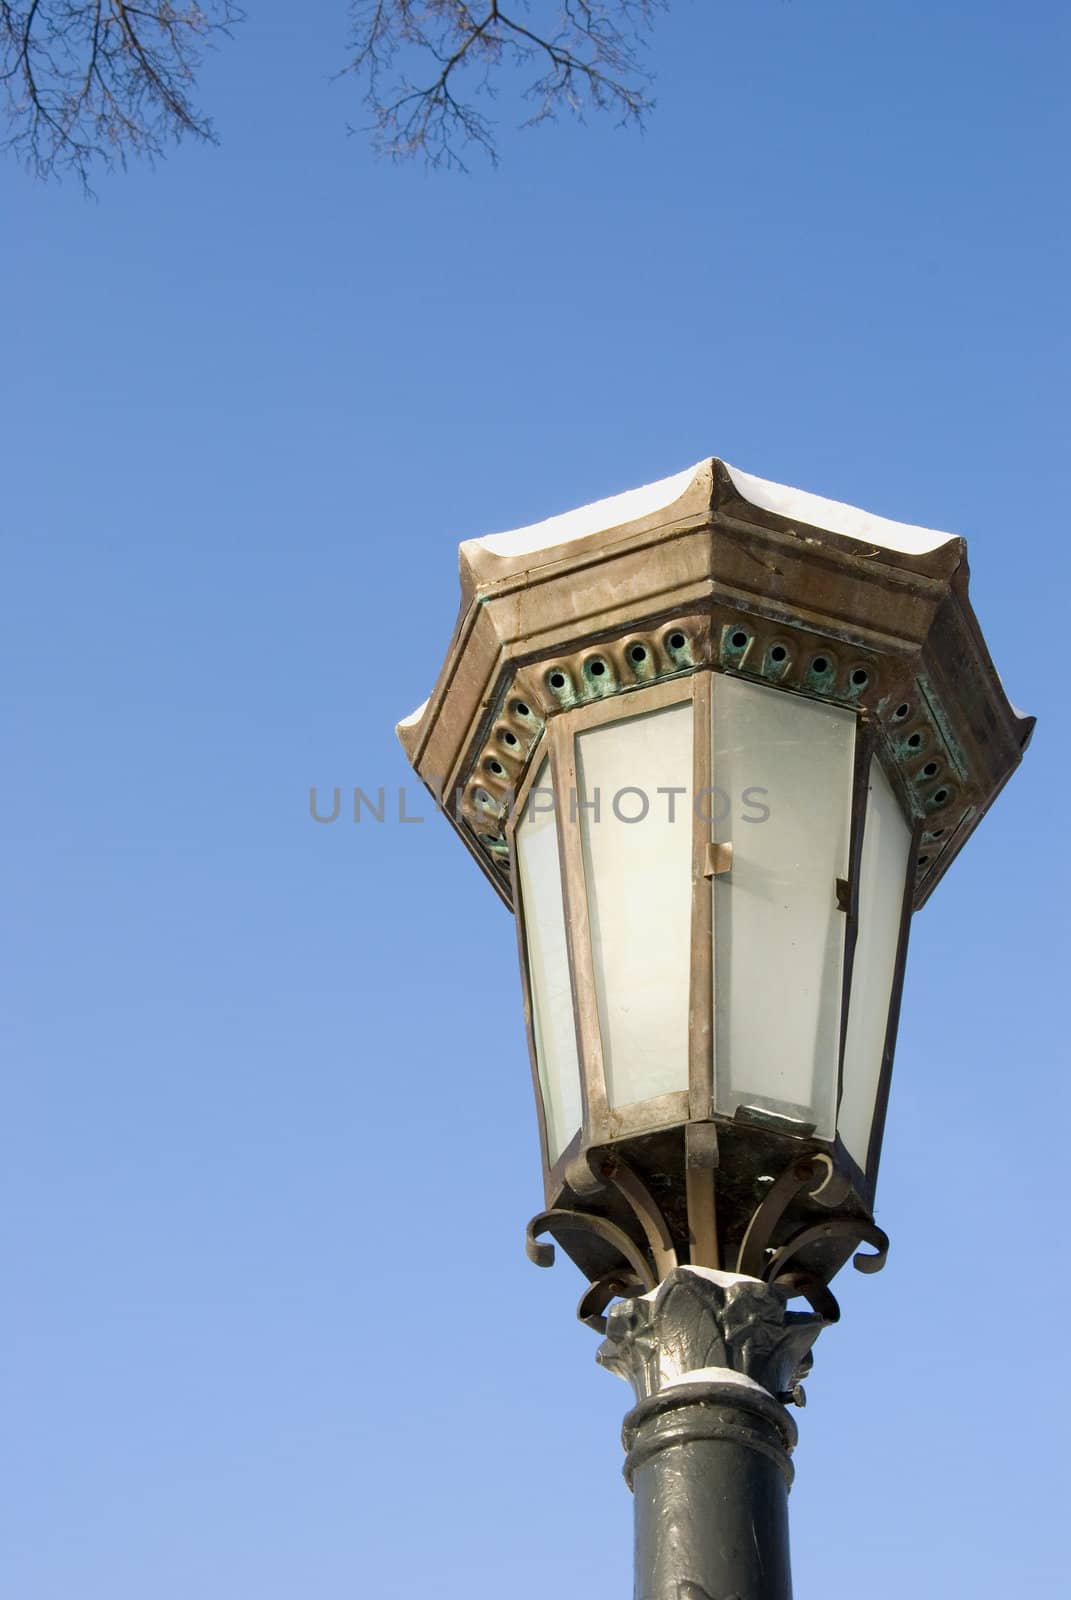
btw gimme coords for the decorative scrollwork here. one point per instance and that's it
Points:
(618, 1172)
(597, 1296)
(631, 1270)
(810, 1287)
(759, 1259)
(638, 1272)
(809, 1175)
(858, 1229)
(554, 1222)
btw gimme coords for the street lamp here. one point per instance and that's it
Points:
(713, 741)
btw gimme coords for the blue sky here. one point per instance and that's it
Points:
(269, 1148)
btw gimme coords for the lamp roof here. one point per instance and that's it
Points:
(709, 555)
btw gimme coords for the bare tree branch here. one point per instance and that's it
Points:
(89, 82)
(582, 54)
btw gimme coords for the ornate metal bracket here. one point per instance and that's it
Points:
(814, 1176)
(639, 1269)
(810, 1175)
(555, 1222)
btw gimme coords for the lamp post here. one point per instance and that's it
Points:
(713, 741)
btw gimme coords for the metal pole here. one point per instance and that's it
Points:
(709, 1469)
(711, 1355)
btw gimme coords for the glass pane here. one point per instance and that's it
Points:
(637, 844)
(548, 965)
(883, 877)
(783, 776)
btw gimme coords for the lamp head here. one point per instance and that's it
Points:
(713, 741)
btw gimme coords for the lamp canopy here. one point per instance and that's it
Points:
(883, 605)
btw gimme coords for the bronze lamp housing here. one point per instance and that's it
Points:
(714, 741)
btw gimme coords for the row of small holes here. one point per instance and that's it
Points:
(859, 678)
(930, 770)
(820, 665)
(597, 667)
(675, 641)
(521, 709)
(492, 764)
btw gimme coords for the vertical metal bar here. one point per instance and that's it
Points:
(578, 932)
(701, 988)
(540, 754)
(700, 1152)
(700, 1160)
(881, 1104)
(865, 746)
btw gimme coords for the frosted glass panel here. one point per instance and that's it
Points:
(637, 846)
(548, 966)
(783, 777)
(883, 876)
